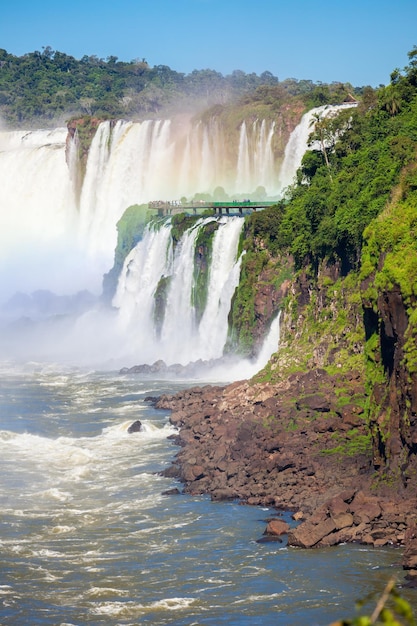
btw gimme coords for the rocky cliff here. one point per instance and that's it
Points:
(316, 431)
(389, 288)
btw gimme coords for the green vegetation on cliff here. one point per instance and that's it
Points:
(264, 270)
(349, 223)
(202, 260)
(389, 275)
(181, 222)
(391, 244)
(361, 153)
(335, 201)
(130, 228)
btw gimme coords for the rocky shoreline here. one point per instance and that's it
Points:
(295, 446)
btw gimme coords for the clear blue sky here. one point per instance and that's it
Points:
(356, 41)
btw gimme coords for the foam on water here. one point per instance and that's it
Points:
(83, 514)
(132, 609)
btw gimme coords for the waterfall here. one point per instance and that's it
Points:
(263, 156)
(296, 147)
(255, 159)
(30, 164)
(243, 161)
(201, 160)
(59, 233)
(37, 210)
(270, 344)
(223, 280)
(142, 271)
(246, 368)
(49, 211)
(181, 338)
(130, 164)
(178, 329)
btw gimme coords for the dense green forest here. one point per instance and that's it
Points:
(50, 86)
(360, 156)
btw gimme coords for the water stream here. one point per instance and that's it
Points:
(87, 536)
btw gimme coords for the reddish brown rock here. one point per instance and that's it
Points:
(342, 520)
(409, 560)
(308, 535)
(365, 508)
(250, 442)
(297, 516)
(337, 506)
(277, 527)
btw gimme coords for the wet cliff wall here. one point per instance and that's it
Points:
(389, 292)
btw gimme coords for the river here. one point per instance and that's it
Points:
(87, 536)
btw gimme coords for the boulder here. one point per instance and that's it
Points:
(269, 539)
(314, 402)
(342, 520)
(297, 516)
(308, 535)
(277, 527)
(337, 506)
(224, 494)
(136, 427)
(191, 467)
(171, 492)
(365, 508)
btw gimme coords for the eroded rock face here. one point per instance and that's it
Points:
(268, 299)
(394, 417)
(409, 560)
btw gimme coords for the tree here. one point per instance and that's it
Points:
(322, 132)
(87, 105)
(391, 100)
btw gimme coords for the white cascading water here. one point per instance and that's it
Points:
(143, 268)
(181, 339)
(255, 162)
(38, 213)
(178, 328)
(56, 236)
(296, 147)
(243, 159)
(263, 155)
(128, 163)
(223, 280)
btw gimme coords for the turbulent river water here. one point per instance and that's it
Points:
(87, 536)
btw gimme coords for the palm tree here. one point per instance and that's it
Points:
(323, 134)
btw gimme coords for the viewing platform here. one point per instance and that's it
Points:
(235, 207)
